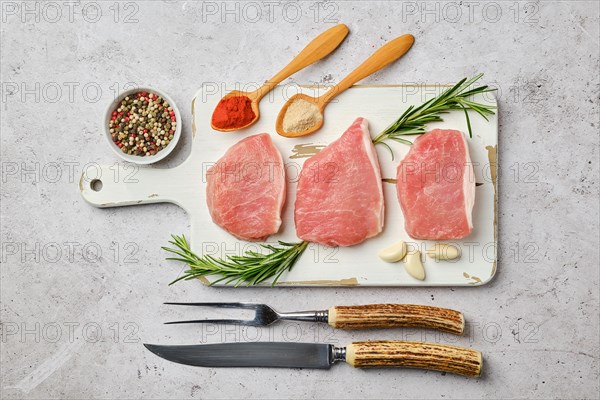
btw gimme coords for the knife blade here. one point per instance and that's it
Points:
(386, 353)
(254, 354)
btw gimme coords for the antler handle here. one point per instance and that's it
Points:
(396, 315)
(430, 356)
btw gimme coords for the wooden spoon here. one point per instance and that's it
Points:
(320, 47)
(387, 54)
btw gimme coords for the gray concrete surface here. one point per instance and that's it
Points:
(82, 287)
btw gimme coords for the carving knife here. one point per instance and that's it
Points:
(370, 354)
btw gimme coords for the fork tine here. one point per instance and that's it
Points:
(250, 306)
(249, 322)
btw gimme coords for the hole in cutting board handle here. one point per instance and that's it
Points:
(96, 185)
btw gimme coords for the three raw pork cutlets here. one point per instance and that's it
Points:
(339, 199)
(246, 189)
(436, 186)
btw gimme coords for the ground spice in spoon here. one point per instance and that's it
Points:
(233, 112)
(301, 115)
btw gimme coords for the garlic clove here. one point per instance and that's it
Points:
(443, 251)
(414, 266)
(394, 253)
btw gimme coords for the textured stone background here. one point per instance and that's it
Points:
(73, 323)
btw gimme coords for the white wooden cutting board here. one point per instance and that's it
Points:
(359, 265)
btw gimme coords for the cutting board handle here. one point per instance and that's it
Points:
(129, 184)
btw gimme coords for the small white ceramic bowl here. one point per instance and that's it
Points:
(141, 159)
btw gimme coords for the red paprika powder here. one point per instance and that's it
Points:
(233, 113)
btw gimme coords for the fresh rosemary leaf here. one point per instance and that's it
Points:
(251, 268)
(414, 119)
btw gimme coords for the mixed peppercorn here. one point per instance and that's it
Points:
(143, 124)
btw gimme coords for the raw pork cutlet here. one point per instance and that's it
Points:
(339, 200)
(436, 186)
(246, 189)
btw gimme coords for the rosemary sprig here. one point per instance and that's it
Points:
(251, 268)
(414, 119)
